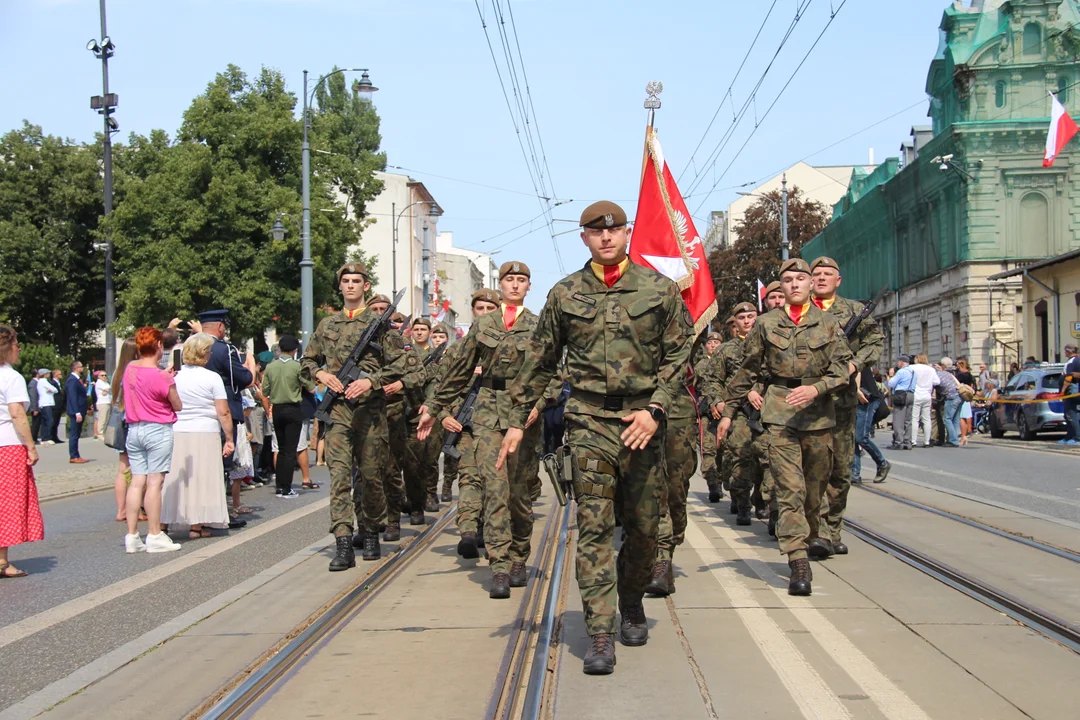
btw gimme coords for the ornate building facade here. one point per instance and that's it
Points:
(968, 197)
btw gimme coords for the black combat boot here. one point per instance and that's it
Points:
(358, 540)
(715, 493)
(743, 515)
(659, 583)
(819, 549)
(416, 518)
(393, 532)
(774, 517)
(447, 496)
(634, 629)
(883, 472)
(480, 536)
(800, 577)
(371, 548)
(519, 575)
(345, 558)
(432, 505)
(839, 548)
(500, 586)
(466, 546)
(600, 657)
(671, 577)
(734, 509)
(762, 513)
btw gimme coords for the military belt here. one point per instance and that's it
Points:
(588, 488)
(493, 383)
(792, 383)
(594, 465)
(610, 402)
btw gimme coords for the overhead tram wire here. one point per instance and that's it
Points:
(800, 13)
(727, 94)
(773, 104)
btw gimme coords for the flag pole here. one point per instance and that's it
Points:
(652, 104)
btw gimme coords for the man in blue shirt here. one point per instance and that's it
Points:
(1071, 386)
(76, 406)
(902, 385)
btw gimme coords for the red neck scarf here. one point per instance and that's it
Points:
(797, 312)
(510, 315)
(610, 274)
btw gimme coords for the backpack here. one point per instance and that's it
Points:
(967, 393)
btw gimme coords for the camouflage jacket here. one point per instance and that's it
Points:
(501, 353)
(631, 340)
(867, 344)
(333, 340)
(813, 352)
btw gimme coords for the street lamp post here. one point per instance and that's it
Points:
(433, 211)
(782, 209)
(307, 302)
(105, 103)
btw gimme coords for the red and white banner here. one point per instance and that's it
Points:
(666, 240)
(1062, 129)
(760, 295)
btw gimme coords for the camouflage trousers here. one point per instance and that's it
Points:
(635, 487)
(361, 441)
(836, 492)
(708, 450)
(679, 461)
(528, 462)
(726, 465)
(449, 468)
(760, 447)
(470, 491)
(508, 516)
(427, 454)
(800, 462)
(746, 470)
(393, 486)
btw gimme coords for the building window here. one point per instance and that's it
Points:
(907, 340)
(1063, 89)
(1032, 39)
(926, 337)
(957, 338)
(999, 93)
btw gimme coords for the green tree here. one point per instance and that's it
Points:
(756, 255)
(193, 230)
(53, 288)
(32, 357)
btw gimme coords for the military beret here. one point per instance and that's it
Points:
(743, 307)
(824, 262)
(353, 268)
(772, 287)
(397, 317)
(422, 321)
(288, 344)
(514, 268)
(440, 328)
(266, 356)
(209, 316)
(603, 214)
(487, 295)
(380, 299)
(729, 321)
(795, 265)
(715, 336)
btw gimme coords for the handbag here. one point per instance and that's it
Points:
(881, 412)
(116, 432)
(899, 398)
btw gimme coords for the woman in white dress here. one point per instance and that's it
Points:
(194, 494)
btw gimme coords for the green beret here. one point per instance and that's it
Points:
(824, 262)
(490, 296)
(440, 328)
(514, 268)
(380, 299)
(422, 321)
(742, 308)
(603, 214)
(774, 286)
(353, 268)
(795, 265)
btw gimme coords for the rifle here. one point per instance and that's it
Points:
(436, 355)
(560, 469)
(853, 324)
(350, 371)
(464, 416)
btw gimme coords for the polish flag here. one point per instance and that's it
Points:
(666, 240)
(1062, 129)
(760, 295)
(443, 309)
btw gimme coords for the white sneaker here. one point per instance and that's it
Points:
(160, 543)
(134, 543)
(289, 495)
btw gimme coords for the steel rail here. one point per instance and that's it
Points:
(265, 679)
(1022, 612)
(1059, 552)
(515, 659)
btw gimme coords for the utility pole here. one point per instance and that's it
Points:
(307, 295)
(785, 244)
(105, 104)
(426, 306)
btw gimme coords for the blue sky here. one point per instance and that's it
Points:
(443, 112)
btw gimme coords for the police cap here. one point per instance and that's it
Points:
(603, 214)
(487, 295)
(824, 262)
(353, 268)
(742, 308)
(422, 321)
(795, 265)
(211, 316)
(772, 287)
(514, 268)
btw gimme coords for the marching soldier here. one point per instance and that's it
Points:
(801, 355)
(745, 468)
(866, 344)
(498, 343)
(628, 336)
(398, 499)
(774, 298)
(708, 422)
(358, 431)
(424, 454)
(439, 337)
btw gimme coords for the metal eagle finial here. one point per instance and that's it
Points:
(654, 88)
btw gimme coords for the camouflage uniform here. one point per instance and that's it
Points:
(707, 435)
(357, 432)
(627, 346)
(681, 438)
(508, 517)
(799, 439)
(866, 345)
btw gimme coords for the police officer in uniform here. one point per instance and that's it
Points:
(866, 344)
(358, 429)
(627, 336)
(801, 353)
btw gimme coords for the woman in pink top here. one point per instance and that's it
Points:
(150, 406)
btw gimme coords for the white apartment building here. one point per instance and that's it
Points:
(461, 273)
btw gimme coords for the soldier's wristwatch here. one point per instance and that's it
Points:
(656, 413)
